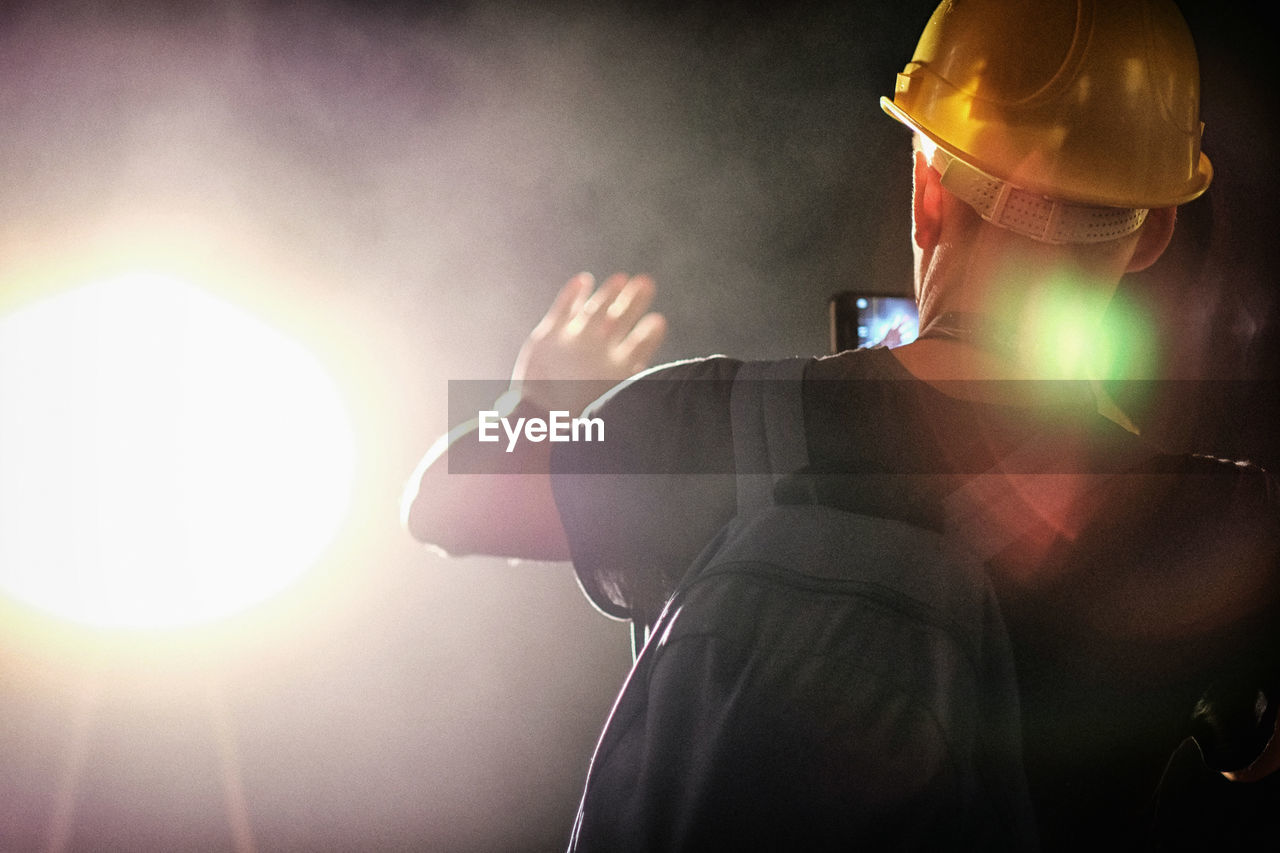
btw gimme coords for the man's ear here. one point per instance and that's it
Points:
(926, 203)
(1153, 239)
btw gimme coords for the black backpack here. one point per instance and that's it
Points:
(820, 680)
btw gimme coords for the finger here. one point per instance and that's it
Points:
(606, 293)
(568, 301)
(638, 348)
(631, 304)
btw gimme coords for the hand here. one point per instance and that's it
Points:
(587, 342)
(893, 337)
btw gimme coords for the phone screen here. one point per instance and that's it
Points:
(866, 320)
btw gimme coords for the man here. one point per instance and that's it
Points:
(1053, 143)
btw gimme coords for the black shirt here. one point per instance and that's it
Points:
(1121, 613)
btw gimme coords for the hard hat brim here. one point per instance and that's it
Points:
(1194, 188)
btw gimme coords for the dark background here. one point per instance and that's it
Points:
(430, 174)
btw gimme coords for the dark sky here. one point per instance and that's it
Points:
(431, 174)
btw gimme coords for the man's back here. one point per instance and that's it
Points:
(1122, 608)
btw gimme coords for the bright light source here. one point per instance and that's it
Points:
(166, 458)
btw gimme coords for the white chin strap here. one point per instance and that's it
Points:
(1045, 219)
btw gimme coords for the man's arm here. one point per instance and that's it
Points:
(586, 342)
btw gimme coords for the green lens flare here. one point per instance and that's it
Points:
(1071, 332)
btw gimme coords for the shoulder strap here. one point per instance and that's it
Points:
(767, 414)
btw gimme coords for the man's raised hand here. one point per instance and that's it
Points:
(588, 341)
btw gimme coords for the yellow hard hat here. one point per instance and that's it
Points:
(1094, 102)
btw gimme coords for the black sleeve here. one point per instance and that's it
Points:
(639, 505)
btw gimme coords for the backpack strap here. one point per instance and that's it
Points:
(767, 425)
(767, 415)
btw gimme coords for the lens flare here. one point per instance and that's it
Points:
(1073, 331)
(166, 458)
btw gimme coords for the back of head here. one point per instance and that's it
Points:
(1065, 120)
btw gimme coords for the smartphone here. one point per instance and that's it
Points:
(867, 320)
